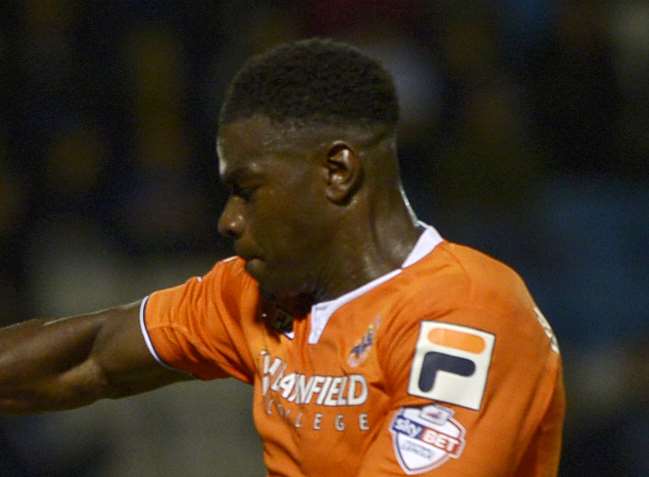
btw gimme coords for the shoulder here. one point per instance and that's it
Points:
(226, 288)
(453, 276)
(231, 267)
(463, 286)
(229, 275)
(465, 313)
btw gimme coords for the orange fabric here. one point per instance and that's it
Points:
(340, 407)
(457, 339)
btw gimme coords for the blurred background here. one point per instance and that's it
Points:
(525, 133)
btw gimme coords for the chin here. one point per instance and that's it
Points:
(257, 269)
(273, 283)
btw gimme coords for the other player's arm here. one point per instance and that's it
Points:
(48, 365)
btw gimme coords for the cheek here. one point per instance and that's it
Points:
(291, 207)
(288, 224)
(270, 220)
(288, 214)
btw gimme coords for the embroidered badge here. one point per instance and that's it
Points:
(361, 349)
(425, 438)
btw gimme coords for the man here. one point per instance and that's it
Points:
(376, 348)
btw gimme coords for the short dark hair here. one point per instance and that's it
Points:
(314, 81)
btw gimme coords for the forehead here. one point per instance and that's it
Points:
(247, 144)
(250, 142)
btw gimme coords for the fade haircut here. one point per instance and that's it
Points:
(313, 82)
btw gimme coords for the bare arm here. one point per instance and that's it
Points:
(48, 365)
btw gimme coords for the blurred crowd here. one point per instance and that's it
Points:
(525, 133)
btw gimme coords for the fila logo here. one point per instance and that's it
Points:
(451, 364)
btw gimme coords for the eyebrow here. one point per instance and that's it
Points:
(238, 174)
(232, 175)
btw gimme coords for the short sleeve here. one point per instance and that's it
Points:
(473, 391)
(196, 327)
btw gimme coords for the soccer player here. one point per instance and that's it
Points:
(375, 347)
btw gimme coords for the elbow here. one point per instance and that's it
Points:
(82, 385)
(101, 384)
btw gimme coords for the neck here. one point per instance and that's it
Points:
(371, 241)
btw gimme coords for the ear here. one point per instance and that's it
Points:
(344, 172)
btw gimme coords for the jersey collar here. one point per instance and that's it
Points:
(322, 312)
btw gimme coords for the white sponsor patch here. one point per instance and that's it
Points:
(424, 438)
(451, 364)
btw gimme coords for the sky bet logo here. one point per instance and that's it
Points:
(451, 364)
(424, 438)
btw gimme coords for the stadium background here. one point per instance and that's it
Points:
(525, 133)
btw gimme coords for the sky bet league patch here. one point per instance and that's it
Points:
(424, 438)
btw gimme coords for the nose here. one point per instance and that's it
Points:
(232, 222)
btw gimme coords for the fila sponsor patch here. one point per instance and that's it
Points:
(451, 364)
(424, 438)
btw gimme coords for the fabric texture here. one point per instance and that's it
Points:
(445, 369)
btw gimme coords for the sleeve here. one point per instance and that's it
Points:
(472, 395)
(196, 327)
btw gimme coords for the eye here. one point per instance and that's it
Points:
(246, 193)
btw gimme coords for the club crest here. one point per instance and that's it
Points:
(361, 349)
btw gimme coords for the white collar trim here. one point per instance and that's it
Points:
(322, 312)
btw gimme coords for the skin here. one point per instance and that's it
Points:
(316, 211)
(49, 365)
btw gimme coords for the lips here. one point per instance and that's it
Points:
(244, 253)
(252, 259)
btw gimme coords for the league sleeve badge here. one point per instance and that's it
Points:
(424, 438)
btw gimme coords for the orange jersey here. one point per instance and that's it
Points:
(444, 367)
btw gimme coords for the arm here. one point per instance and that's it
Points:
(469, 401)
(48, 365)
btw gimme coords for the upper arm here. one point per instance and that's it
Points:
(48, 365)
(198, 328)
(470, 392)
(175, 334)
(121, 358)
